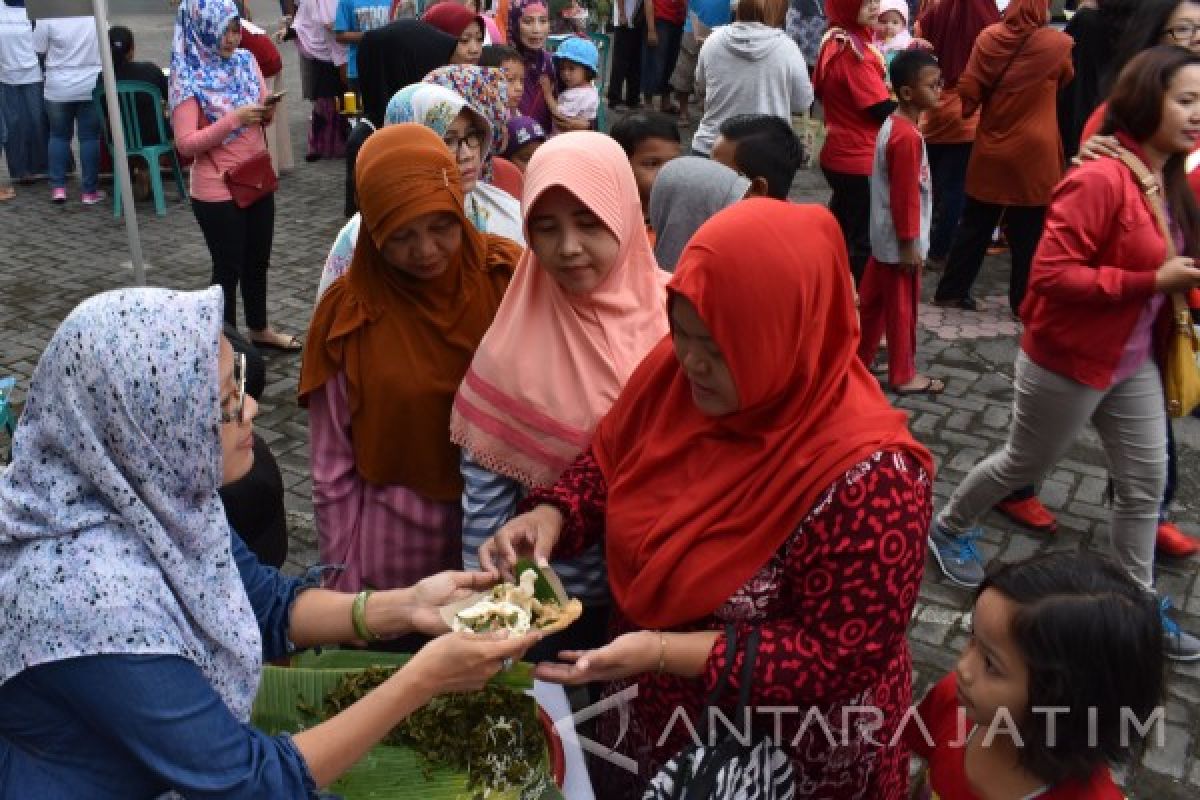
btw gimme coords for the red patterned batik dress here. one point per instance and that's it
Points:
(833, 675)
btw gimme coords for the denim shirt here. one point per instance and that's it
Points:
(117, 727)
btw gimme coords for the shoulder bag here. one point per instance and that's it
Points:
(728, 768)
(1181, 376)
(251, 179)
(987, 93)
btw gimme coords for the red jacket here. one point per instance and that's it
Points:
(1092, 275)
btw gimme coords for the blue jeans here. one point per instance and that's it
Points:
(63, 117)
(658, 62)
(25, 117)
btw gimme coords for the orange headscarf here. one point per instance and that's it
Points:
(553, 363)
(403, 343)
(697, 504)
(1042, 55)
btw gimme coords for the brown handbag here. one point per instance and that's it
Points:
(251, 180)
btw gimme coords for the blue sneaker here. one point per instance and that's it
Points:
(957, 554)
(1178, 644)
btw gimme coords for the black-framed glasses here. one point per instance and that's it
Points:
(472, 139)
(239, 399)
(1183, 33)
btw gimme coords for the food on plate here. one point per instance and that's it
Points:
(535, 602)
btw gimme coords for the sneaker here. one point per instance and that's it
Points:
(1178, 644)
(92, 198)
(957, 555)
(58, 196)
(1173, 542)
(1029, 512)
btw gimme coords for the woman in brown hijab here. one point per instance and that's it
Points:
(1013, 76)
(388, 346)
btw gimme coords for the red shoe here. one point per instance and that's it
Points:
(1029, 512)
(1173, 542)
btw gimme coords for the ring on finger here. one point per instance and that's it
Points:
(506, 664)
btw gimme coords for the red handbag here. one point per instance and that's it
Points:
(251, 180)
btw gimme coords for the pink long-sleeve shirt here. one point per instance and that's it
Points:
(386, 536)
(196, 138)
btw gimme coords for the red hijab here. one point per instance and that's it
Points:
(697, 504)
(845, 32)
(451, 18)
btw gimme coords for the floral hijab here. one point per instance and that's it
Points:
(198, 71)
(435, 106)
(113, 539)
(486, 90)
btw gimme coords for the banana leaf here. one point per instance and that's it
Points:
(290, 699)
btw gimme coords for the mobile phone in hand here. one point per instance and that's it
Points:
(275, 98)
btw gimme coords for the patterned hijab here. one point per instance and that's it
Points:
(486, 90)
(113, 539)
(435, 107)
(197, 69)
(537, 63)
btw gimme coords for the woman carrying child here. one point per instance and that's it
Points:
(576, 106)
(1095, 318)
(587, 302)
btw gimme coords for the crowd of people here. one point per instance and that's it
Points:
(625, 355)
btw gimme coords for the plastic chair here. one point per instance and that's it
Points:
(8, 420)
(128, 93)
(603, 44)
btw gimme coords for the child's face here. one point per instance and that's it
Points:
(648, 158)
(470, 45)
(522, 154)
(925, 92)
(514, 73)
(991, 670)
(890, 23)
(572, 75)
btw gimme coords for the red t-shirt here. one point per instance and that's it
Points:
(946, 758)
(850, 86)
(907, 172)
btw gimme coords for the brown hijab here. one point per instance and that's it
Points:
(403, 343)
(1043, 54)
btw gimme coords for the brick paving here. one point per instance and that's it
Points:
(53, 257)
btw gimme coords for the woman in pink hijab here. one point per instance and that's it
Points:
(587, 302)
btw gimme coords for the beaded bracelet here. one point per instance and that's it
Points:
(358, 616)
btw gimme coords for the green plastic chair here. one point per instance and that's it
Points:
(128, 93)
(603, 44)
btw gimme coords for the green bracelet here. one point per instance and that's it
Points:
(358, 616)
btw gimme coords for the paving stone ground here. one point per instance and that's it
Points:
(53, 257)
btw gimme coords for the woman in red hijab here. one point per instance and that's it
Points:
(849, 82)
(750, 473)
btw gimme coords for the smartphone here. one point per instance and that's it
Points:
(275, 98)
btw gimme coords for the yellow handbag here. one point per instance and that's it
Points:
(1181, 375)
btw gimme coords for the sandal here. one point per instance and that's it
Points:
(7, 193)
(932, 388)
(292, 345)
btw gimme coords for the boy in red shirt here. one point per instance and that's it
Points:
(901, 211)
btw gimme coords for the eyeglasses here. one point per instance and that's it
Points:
(472, 139)
(1183, 33)
(239, 399)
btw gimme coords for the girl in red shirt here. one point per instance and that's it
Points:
(1097, 307)
(849, 82)
(1061, 674)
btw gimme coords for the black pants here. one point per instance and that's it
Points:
(948, 167)
(851, 206)
(1023, 225)
(625, 79)
(239, 241)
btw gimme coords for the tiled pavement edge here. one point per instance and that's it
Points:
(53, 257)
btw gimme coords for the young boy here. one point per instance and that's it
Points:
(762, 147)
(649, 140)
(576, 62)
(508, 59)
(353, 19)
(525, 136)
(901, 208)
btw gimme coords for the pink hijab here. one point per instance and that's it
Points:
(552, 363)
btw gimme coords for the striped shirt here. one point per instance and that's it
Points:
(490, 500)
(384, 536)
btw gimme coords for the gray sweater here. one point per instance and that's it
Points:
(748, 68)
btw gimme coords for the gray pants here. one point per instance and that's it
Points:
(1049, 412)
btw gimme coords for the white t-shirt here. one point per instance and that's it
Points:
(72, 58)
(582, 102)
(18, 62)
